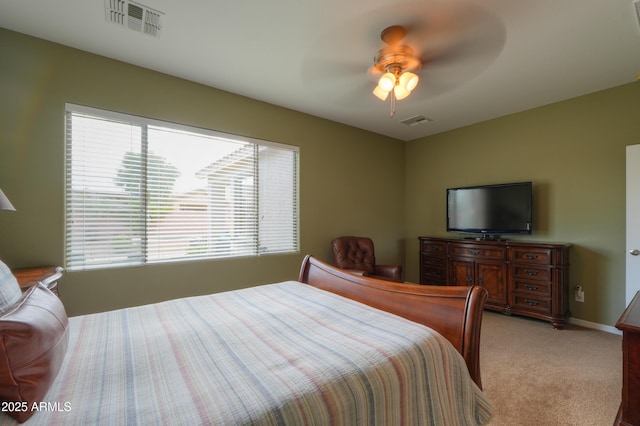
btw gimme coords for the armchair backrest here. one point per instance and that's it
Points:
(354, 253)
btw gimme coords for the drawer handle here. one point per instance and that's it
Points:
(531, 302)
(475, 252)
(531, 256)
(531, 272)
(531, 287)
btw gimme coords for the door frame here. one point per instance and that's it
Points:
(632, 263)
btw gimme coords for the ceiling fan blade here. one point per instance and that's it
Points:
(463, 60)
(339, 81)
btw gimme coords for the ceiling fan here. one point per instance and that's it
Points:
(398, 66)
(439, 44)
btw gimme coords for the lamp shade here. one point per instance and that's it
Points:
(5, 204)
(380, 94)
(409, 81)
(400, 92)
(387, 82)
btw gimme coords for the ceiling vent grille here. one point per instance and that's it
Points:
(134, 16)
(415, 121)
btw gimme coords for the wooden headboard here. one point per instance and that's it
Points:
(453, 311)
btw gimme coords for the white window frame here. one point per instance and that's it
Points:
(268, 224)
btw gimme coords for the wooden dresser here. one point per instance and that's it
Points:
(629, 323)
(530, 279)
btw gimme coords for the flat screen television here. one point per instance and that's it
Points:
(490, 211)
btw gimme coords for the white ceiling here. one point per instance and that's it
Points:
(490, 57)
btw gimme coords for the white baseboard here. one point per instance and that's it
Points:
(594, 325)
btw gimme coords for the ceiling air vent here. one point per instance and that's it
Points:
(415, 121)
(134, 16)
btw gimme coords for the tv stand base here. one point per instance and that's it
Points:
(528, 279)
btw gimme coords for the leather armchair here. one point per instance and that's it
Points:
(356, 255)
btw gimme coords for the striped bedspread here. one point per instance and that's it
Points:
(279, 354)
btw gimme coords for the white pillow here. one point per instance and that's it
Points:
(10, 291)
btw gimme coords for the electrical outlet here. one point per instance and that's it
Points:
(579, 294)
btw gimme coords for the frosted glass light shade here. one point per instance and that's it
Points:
(387, 82)
(400, 92)
(409, 81)
(380, 94)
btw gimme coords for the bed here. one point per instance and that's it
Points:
(331, 348)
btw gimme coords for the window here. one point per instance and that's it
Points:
(142, 191)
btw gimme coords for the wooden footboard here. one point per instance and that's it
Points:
(453, 311)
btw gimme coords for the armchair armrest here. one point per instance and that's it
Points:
(394, 272)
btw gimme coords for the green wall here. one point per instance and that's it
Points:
(342, 172)
(574, 152)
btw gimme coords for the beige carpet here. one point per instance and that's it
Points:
(535, 375)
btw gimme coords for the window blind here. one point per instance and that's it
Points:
(143, 191)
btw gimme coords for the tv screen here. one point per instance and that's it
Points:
(490, 209)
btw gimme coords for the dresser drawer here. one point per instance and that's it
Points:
(433, 275)
(433, 268)
(429, 261)
(433, 248)
(539, 289)
(531, 272)
(538, 256)
(478, 251)
(531, 303)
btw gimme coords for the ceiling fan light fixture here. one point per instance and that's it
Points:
(398, 66)
(380, 93)
(387, 82)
